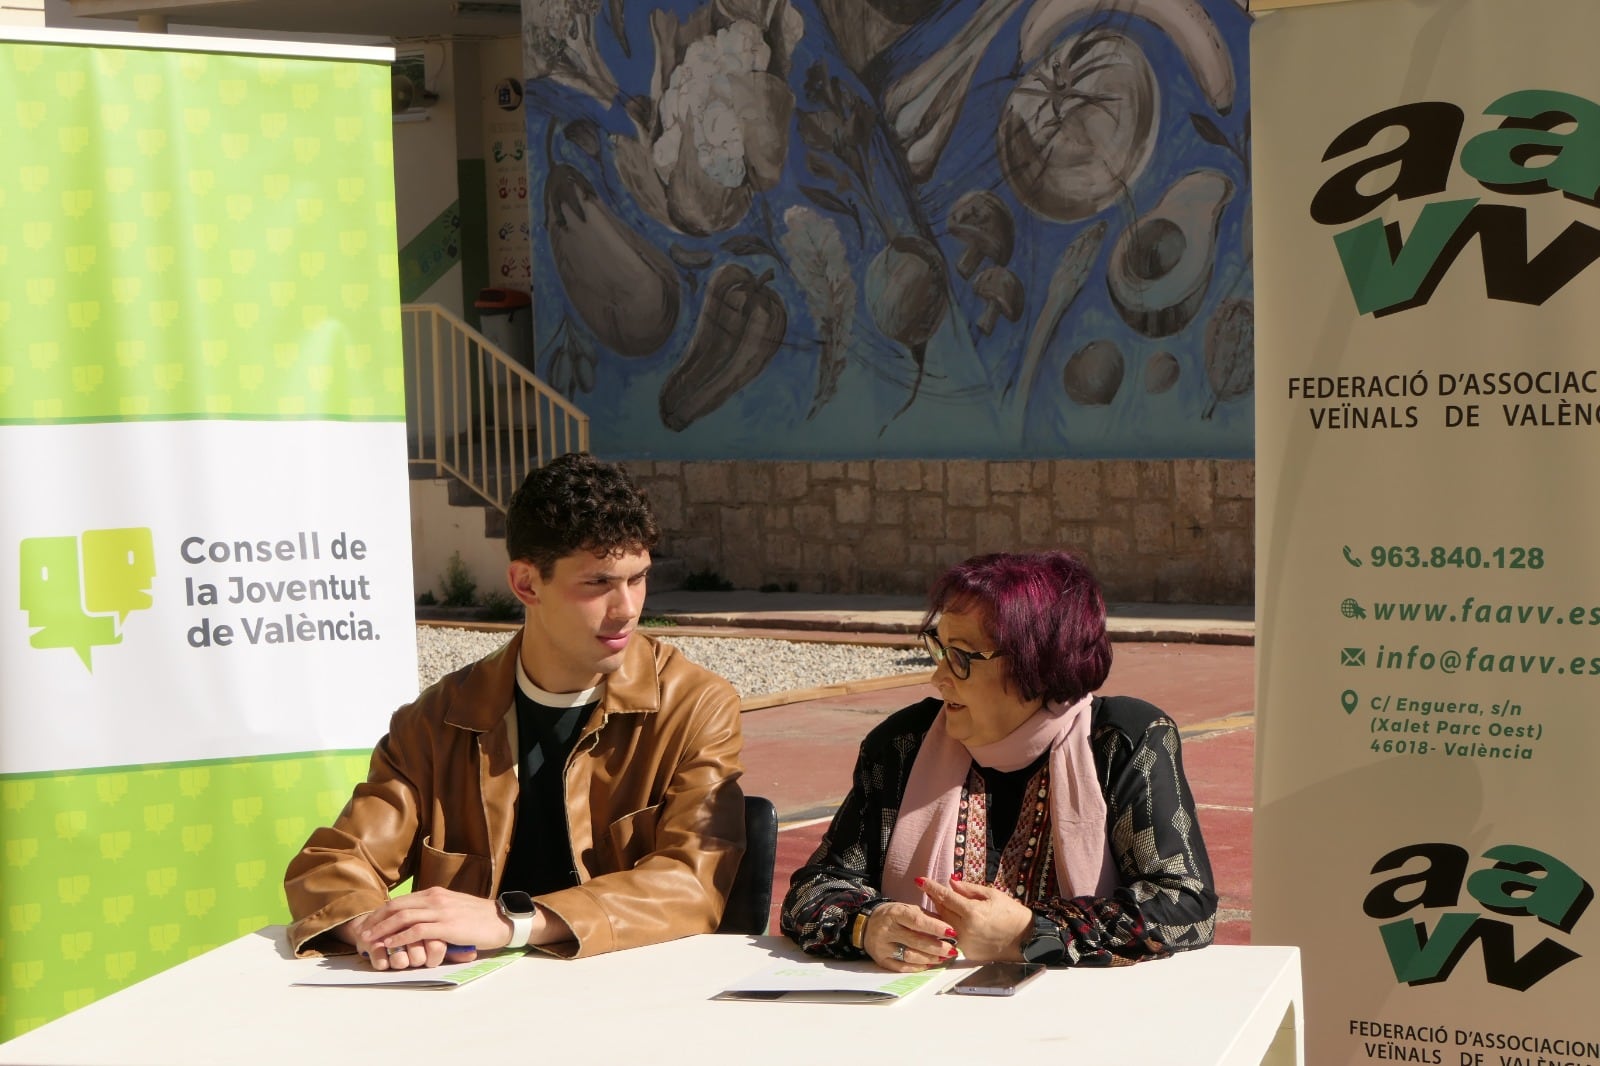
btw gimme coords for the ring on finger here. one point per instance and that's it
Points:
(899, 953)
(397, 951)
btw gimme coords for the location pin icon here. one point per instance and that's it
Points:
(1348, 700)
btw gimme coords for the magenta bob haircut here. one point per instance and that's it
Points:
(1044, 610)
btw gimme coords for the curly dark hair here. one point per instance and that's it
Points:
(575, 502)
(1044, 610)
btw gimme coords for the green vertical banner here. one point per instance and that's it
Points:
(1427, 399)
(205, 581)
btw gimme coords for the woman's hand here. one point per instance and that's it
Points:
(991, 924)
(906, 939)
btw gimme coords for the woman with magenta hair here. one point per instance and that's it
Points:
(1018, 816)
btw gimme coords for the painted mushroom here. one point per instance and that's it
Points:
(982, 223)
(1002, 293)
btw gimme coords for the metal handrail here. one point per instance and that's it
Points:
(475, 413)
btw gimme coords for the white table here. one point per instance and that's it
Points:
(1220, 1005)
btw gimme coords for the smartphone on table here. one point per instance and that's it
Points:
(998, 978)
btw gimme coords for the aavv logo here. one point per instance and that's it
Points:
(1528, 888)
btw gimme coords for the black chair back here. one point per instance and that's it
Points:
(750, 899)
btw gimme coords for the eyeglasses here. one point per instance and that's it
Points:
(960, 659)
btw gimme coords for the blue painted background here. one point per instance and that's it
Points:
(861, 394)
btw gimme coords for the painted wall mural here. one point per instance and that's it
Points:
(816, 229)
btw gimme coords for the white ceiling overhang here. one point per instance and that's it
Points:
(362, 18)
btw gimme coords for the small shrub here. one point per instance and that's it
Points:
(460, 589)
(427, 599)
(656, 621)
(501, 607)
(772, 586)
(707, 581)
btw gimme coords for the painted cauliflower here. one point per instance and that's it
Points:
(715, 129)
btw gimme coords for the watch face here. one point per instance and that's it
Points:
(1047, 949)
(1046, 944)
(519, 904)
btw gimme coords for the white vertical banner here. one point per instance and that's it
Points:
(205, 581)
(1428, 398)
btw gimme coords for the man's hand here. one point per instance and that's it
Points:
(906, 939)
(990, 923)
(429, 927)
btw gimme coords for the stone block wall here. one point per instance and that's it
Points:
(1154, 531)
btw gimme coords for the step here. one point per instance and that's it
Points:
(494, 520)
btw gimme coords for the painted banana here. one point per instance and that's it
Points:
(1185, 21)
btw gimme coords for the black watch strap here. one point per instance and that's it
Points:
(1046, 944)
(858, 924)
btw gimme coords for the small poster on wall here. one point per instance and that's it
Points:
(506, 170)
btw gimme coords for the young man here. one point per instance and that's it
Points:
(576, 790)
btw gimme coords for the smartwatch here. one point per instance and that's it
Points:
(1045, 943)
(858, 925)
(858, 931)
(518, 909)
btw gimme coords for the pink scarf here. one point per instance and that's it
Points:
(923, 841)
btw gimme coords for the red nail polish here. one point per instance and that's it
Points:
(921, 881)
(949, 932)
(951, 953)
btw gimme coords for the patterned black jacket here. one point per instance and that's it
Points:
(1166, 901)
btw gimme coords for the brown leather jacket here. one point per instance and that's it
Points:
(654, 808)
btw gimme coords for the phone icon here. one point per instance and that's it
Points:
(1349, 556)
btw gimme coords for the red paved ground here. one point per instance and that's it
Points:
(800, 755)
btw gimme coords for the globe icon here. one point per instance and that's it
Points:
(1351, 609)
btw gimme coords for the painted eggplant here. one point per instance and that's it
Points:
(740, 329)
(621, 285)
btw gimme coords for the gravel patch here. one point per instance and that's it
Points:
(760, 667)
(755, 666)
(444, 649)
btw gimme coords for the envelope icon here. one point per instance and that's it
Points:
(1352, 657)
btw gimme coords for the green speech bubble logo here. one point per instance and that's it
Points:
(118, 565)
(83, 605)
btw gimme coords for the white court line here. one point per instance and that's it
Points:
(804, 824)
